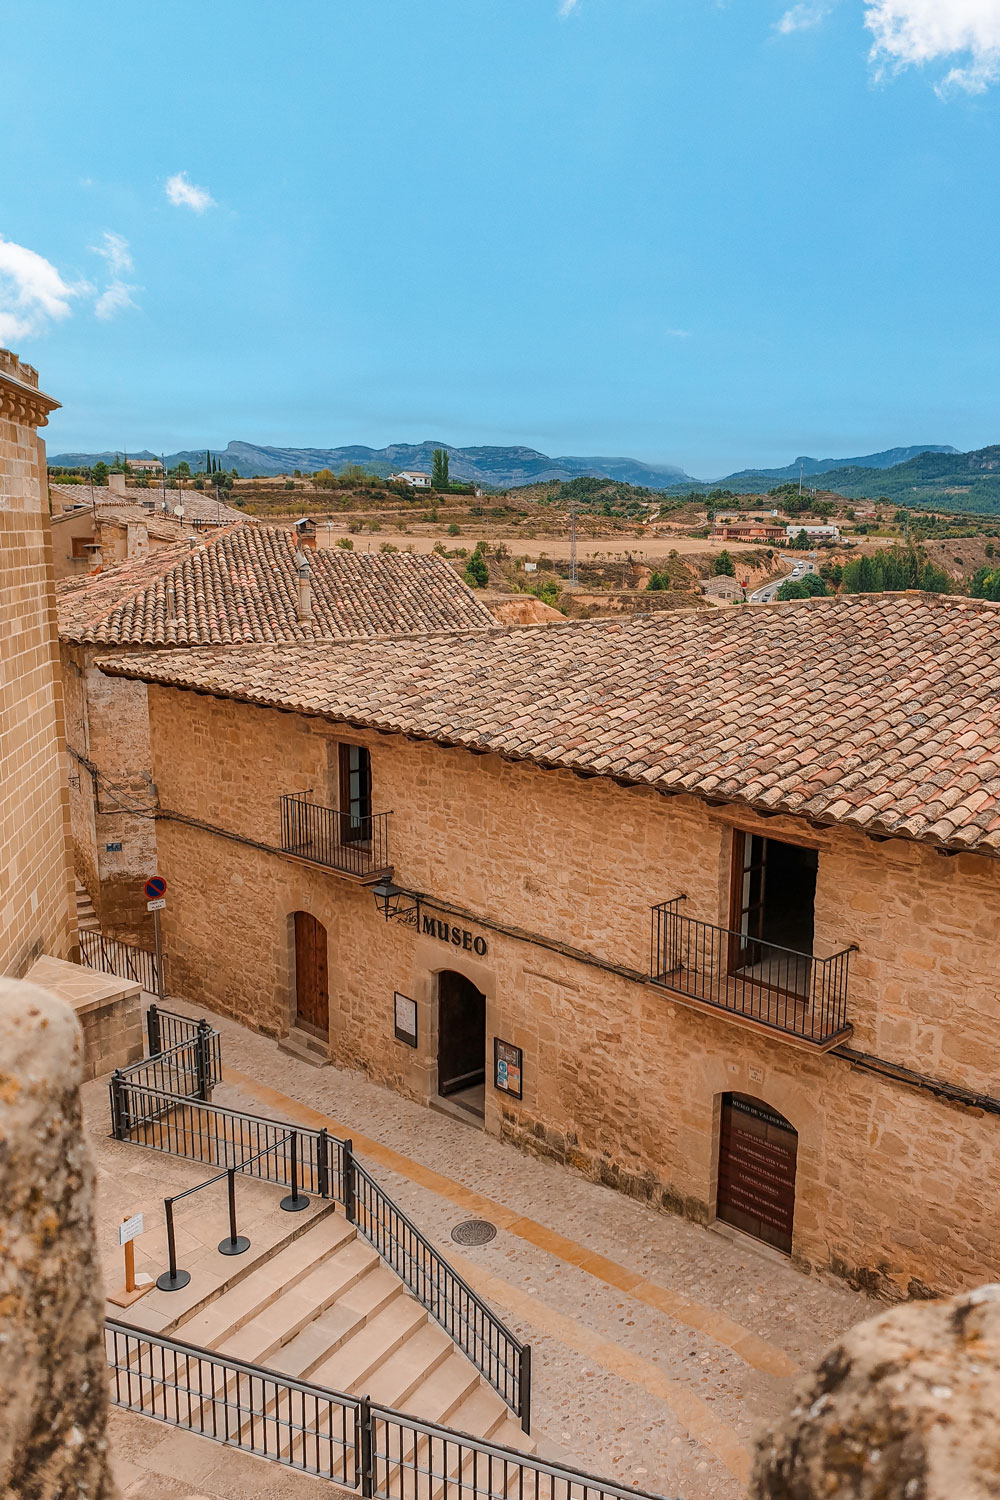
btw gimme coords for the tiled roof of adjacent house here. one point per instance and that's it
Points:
(240, 586)
(881, 711)
(197, 505)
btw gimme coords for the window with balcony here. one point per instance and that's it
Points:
(349, 838)
(763, 968)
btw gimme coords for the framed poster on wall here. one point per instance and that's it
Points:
(405, 1019)
(507, 1068)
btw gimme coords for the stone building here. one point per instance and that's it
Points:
(38, 932)
(238, 585)
(88, 537)
(36, 886)
(704, 906)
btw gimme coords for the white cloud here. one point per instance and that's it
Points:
(678, 333)
(566, 7)
(32, 292)
(913, 33)
(117, 295)
(800, 18)
(185, 194)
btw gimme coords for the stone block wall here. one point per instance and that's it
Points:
(112, 794)
(35, 870)
(620, 1081)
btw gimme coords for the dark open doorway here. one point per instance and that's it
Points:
(774, 894)
(312, 988)
(461, 1042)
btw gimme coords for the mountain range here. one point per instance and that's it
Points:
(924, 475)
(499, 468)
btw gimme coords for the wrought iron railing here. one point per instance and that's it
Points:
(357, 846)
(363, 1446)
(797, 993)
(493, 1349)
(189, 1069)
(113, 956)
(317, 1162)
(166, 1028)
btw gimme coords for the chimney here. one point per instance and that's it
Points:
(304, 604)
(305, 533)
(96, 556)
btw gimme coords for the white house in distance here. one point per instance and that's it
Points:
(145, 465)
(414, 477)
(814, 533)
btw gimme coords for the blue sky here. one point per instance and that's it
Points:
(711, 234)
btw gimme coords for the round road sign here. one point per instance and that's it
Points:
(156, 887)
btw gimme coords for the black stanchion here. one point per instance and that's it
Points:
(236, 1243)
(172, 1280)
(295, 1201)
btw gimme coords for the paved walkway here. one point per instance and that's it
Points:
(658, 1346)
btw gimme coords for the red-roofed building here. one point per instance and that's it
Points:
(703, 905)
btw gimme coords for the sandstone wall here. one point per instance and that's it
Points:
(35, 871)
(107, 725)
(894, 1185)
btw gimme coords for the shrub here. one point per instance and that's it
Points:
(658, 581)
(477, 574)
(346, 543)
(724, 565)
(454, 530)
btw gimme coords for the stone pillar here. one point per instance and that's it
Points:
(905, 1407)
(53, 1378)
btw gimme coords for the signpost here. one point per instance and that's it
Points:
(156, 889)
(135, 1286)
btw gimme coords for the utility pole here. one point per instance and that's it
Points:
(572, 541)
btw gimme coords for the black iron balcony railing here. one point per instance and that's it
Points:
(799, 994)
(354, 845)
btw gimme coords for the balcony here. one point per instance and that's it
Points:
(357, 847)
(799, 996)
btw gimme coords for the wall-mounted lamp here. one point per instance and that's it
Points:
(393, 901)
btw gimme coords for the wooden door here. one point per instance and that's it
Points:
(757, 1154)
(312, 990)
(461, 1034)
(355, 795)
(748, 897)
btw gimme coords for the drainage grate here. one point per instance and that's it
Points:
(474, 1232)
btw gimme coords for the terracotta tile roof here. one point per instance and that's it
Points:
(240, 586)
(879, 711)
(197, 504)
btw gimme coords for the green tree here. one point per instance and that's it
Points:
(346, 543)
(454, 529)
(658, 581)
(99, 473)
(477, 574)
(439, 469)
(724, 565)
(183, 470)
(801, 540)
(792, 588)
(208, 463)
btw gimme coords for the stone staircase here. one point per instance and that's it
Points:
(321, 1305)
(86, 915)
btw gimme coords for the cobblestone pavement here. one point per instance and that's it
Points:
(658, 1346)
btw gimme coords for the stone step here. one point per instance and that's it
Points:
(354, 1364)
(303, 1325)
(291, 1266)
(443, 1390)
(408, 1370)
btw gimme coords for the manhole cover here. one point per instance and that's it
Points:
(474, 1232)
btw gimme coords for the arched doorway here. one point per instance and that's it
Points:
(312, 987)
(461, 1042)
(757, 1153)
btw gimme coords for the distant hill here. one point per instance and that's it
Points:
(498, 468)
(940, 479)
(809, 466)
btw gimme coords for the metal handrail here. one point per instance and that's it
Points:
(362, 1444)
(111, 955)
(332, 1167)
(325, 836)
(447, 1296)
(800, 994)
